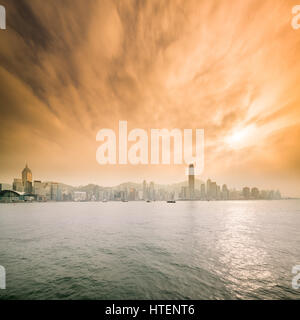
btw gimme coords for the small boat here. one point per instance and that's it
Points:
(104, 200)
(171, 201)
(148, 201)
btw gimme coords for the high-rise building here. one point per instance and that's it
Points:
(225, 192)
(39, 190)
(47, 190)
(185, 193)
(277, 195)
(151, 191)
(255, 193)
(18, 185)
(246, 193)
(145, 193)
(132, 194)
(202, 192)
(27, 179)
(213, 190)
(191, 181)
(218, 196)
(56, 194)
(38, 187)
(28, 187)
(208, 187)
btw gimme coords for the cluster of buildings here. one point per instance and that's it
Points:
(212, 191)
(25, 189)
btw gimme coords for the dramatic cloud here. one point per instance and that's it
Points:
(69, 68)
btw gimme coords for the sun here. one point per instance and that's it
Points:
(240, 137)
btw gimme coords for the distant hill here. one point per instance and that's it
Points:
(94, 187)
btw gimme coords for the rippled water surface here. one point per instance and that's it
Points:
(138, 250)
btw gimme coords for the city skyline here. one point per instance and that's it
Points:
(191, 189)
(150, 151)
(156, 65)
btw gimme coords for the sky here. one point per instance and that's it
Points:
(70, 68)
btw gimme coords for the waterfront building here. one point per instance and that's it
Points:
(234, 195)
(27, 179)
(53, 191)
(213, 190)
(8, 196)
(38, 187)
(18, 185)
(191, 181)
(140, 195)
(202, 192)
(132, 194)
(185, 193)
(79, 196)
(218, 197)
(277, 195)
(151, 191)
(145, 190)
(225, 192)
(208, 187)
(39, 190)
(246, 193)
(255, 193)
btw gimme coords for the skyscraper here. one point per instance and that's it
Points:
(218, 193)
(132, 194)
(56, 194)
(191, 181)
(202, 192)
(255, 193)
(38, 187)
(208, 187)
(151, 191)
(225, 192)
(246, 193)
(18, 185)
(145, 194)
(27, 179)
(213, 190)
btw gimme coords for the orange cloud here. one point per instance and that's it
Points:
(73, 67)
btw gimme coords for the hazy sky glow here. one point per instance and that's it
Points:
(69, 68)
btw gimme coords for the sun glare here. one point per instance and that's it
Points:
(240, 138)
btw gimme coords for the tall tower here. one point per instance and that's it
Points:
(191, 181)
(145, 196)
(208, 189)
(27, 179)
